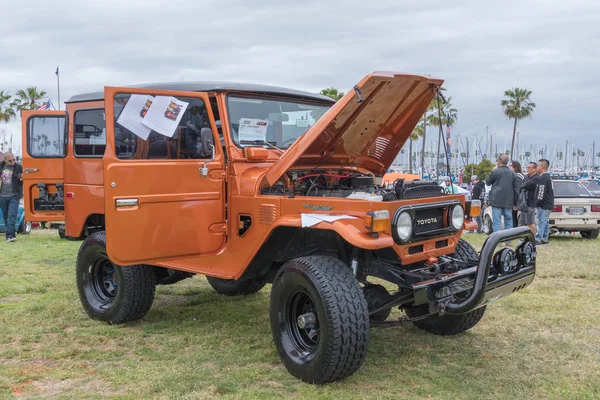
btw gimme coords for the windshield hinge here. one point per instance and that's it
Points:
(357, 90)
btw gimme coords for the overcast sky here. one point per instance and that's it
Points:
(480, 49)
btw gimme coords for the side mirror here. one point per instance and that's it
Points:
(208, 142)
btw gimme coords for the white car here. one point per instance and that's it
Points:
(575, 210)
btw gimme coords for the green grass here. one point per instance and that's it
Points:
(543, 342)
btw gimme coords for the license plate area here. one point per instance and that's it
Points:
(576, 210)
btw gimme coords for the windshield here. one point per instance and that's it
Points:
(569, 189)
(278, 122)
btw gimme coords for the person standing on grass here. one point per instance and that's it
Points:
(515, 167)
(11, 192)
(544, 202)
(529, 185)
(503, 194)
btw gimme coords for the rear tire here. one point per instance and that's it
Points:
(593, 234)
(229, 287)
(447, 324)
(333, 344)
(109, 292)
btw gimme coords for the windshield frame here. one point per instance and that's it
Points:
(260, 96)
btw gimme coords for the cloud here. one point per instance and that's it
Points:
(479, 48)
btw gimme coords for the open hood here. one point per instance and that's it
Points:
(366, 128)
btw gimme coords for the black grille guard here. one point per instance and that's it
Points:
(478, 297)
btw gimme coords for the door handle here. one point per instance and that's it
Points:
(127, 202)
(29, 170)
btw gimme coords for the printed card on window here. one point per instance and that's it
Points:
(252, 130)
(133, 114)
(164, 115)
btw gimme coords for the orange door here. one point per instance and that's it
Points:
(44, 149)
(164, 188)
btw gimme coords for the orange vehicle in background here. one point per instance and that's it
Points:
(254, 184)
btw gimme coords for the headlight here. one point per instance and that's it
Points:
(457, 218)
(404, 226)
(526, 254)
(505, 261)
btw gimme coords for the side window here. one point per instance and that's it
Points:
(90, 133)
(46, 137)
(176, 136)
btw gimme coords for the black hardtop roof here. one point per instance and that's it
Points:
(208, 87)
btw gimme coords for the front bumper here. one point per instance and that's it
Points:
(481, 285)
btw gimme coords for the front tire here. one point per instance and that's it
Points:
(229, 287)
(487, 225)
(319, 319)
(24, 228)
(593, 234)
(446, 325)
(109, 292)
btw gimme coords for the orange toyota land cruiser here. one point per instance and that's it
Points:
(254, 184)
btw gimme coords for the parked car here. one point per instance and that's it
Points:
(575, 210)
(22, 226)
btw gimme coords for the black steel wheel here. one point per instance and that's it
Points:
(109, 292)
(319, 319)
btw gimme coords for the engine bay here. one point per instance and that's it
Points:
(351, 185)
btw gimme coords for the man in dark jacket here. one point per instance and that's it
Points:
(503, 194)
(544, 202)
(529, 185)
(11, 192)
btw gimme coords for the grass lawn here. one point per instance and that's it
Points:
(543, 342)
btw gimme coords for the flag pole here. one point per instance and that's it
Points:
(58, 86)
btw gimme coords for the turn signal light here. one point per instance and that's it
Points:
(557, 208)
(475, 209)
(377, 221)
(595, 208)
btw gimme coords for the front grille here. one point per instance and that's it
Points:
(420, 190)
(429, 219)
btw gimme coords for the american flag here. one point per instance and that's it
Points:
(45, 106)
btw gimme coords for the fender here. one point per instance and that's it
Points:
(351, 230)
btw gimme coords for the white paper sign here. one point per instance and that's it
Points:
(314, 219)
(252, 130)
(133, 114)
(164, 115)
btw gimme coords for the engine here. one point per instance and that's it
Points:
(351, 185)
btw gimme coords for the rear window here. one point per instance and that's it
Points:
(90, 133)
(46, 137)
(593, 187)
(569, 189)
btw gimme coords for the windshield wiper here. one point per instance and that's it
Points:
(263, 142)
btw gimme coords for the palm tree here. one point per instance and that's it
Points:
(418, 132)
(7, 112)
(449, 116)
(517, 106)
(29, 99)
(333, 93)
